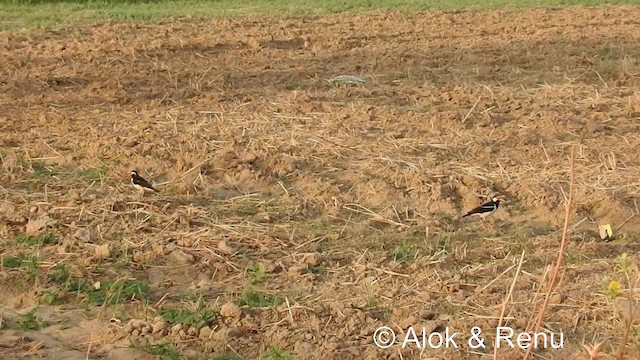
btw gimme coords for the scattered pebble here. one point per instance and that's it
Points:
(86, 234)
(556, 298)
(225, 248)
(429, 326)
(229, 310)
(220, 336)
(427, 315)
(295, 271)
(204, 333)
(137, 324)
(176, 328)
(158, 327)
(192, 331)
(36, 226)
(268, 266)
(404, 323)
(248, 158)
(313, 259)
(181, 257)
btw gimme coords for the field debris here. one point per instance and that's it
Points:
(347, 79)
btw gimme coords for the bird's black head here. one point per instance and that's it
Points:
(497, 198)
(134, 173)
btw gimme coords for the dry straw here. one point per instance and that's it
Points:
(563, 242)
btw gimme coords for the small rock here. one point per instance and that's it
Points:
(157, 249)
(209, 346)
(556, 298)
(313, 259)
(225, 248)
(430, 326)
(75, 195)
(192, 331)
(176, 328)
(137, 324)
(182, 334)
(36, 226)
(186, 242)
(248, 158)
(102, 251)
(406, 322)
(268, 266)
(308, 336)
(400, 312)
(220, 336)
(230, 310)
(131, 143)
(181, 257)
(205, 332)
(158, 327)
(294, 271)
(265, 217)
(427, 315)
(169, 248)
(86, 234)
(145, 330)
(135, 333)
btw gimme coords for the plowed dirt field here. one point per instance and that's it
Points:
(297, 215)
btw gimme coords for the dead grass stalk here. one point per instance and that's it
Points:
(554, 274)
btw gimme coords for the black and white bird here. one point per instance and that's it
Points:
(141, 183)
(487, 208)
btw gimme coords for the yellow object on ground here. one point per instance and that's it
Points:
(606, 232)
